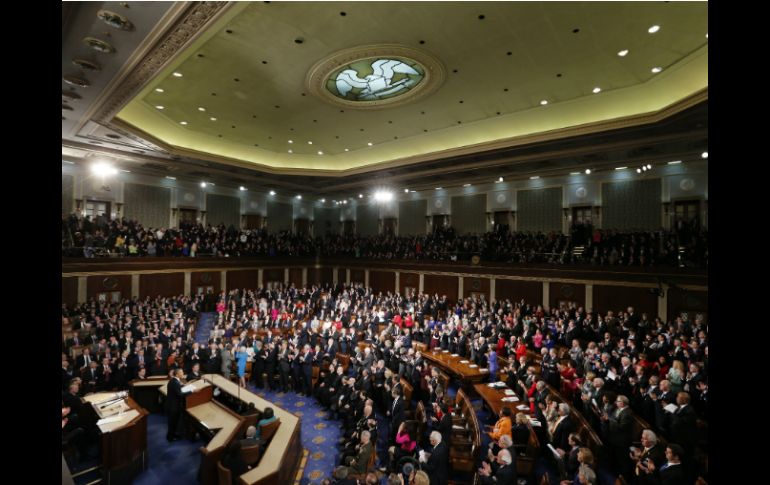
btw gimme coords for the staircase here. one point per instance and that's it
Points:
(205, 324)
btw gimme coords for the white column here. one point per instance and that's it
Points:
(421, 288)
(460, 287)
(335, 275)
(347, 276)
(366, 278)
(663, 304)
(223, 280)
(546, 296)
(492, 289)
(589, 297)
(134, 286)
(260, 277)
(398, 281)
(285, 276)
(82, 289)
(187, 282)
(304, 276)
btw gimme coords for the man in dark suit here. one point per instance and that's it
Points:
(618, 433)
(437, 465)
(683, 431)
(651, 451)
(503, 472)
(562, 428)
(175, 404)
(671, 473)
(396, 414)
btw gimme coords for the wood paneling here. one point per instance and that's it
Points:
(341, 275)
(295, 276)
(273, 274)
(69, 291)
(384, 281)
(327, 275)
(686, 301)
(516, 290)
(357, 276)
(205, 279)
(569, 292)
(408, 280)
(313, 276)
(163, 284)
(476, 285)
(619, 298)
(248, 279)
(107, 284)
(443, 285)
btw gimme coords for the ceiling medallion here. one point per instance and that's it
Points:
(375, 76)
(99, 45)
(76, 81)
(88, 65)
(115, 20)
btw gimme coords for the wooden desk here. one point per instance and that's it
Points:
(280, 462)
(493, 397)
(122, 443)
(452, 365)
(213, 416)
(145, 392)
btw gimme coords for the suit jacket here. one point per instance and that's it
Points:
(561, 433)
(672, 475)
(362, 458)
(505, 475)
(683, 427)
(620, 428)
(658, 456)
(175, 399)
(437, 465)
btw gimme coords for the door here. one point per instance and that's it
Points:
(440, 222)
(189, 216)
(582, 224)
(302, 227)
(686, 219)
(253, 221)
(389, 225)
(97, 208)
(502, 221)
(349, 228)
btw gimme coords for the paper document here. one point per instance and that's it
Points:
(534, 422)
(671, 408)
(473, 366)
(483, 370)
(188, 388)
(444, 351)
(112, 419)
(553, 450)
(611, 375)
(463, 361)
(522, 407)
(510, 399)
(509, 392)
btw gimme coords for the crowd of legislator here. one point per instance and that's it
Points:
(684, 246)
(614, 362)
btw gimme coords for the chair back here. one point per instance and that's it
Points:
(225, 476)
(251, 454)
(266, 431)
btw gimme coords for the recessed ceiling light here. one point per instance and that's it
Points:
(406, 191)
(466, 185)
(127, 171)
(242, 187)
(201, 108)
(707, 35)
(160, 107)
(347, 150)
(621, 168)
(299, 197)
(649, 166)
(309, 142)
(438, 188)
(500, 179)
(588, 171)
(534, 177)
(203, 185)
(653, 29)
(182, 122)
(370, 143)
(68, 162)
(544, 102)
(291, 151)
(291, 141)
(272, 192)
(574, 173)
(360, 196)
(623, 53)
(413, 191)
(213, 119)
(323, 200)
(160, 90)
(320, 152)
(656, 69)
(638, 170)
(177, 74)
(597, 89)
(704, 155)
(675, 162)
(170, 177)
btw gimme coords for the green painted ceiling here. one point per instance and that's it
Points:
(248, 71)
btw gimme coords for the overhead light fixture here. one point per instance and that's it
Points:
(369, 144)
(644, 168)
(360, 196)
(213, 119)
(203, 185)
(574, 173)
(345, 202)
(68, 162)
(588, 171)
(406, 191)
(183, 123)
(309, 142)
(656, 69)
(653, 29)
(347, 150)
(299, 197)
(621, 168)
(649, 166)
(242, 187)
(439, 188)
(638, 170)
(320, 152)
(103, 169)
(383, 196)
(544, 102)
(127, 171)
(323, 201)
(177, 74)
(534, 177)
(466, 185)
(160, 107)
(597, 90)
(291, 151)
(160, 90)
(675, 162)
(291, 141)
(623, 53)
(704, 155)
(201, 108)
(500, 179)
(272, 192)
(170, 177)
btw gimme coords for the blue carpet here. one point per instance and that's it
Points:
(205, 324)
(175, 462)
